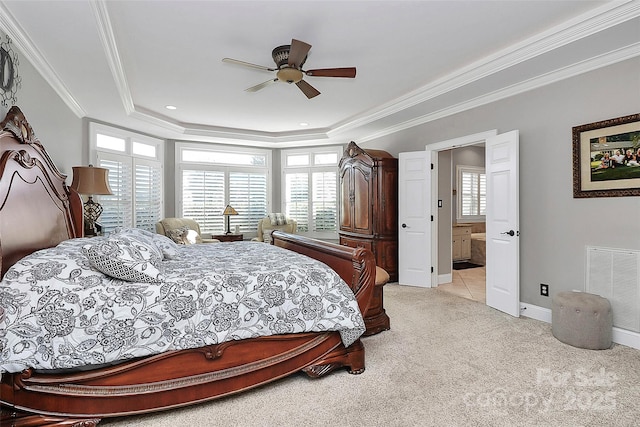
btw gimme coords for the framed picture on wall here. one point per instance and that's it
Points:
(606, 158)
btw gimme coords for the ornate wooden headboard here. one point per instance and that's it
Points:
(37, 209)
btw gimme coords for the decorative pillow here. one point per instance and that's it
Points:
(139, 235)
(166, 247)
(126, 258)
(277, 219)
(177, 235)
(184, 236)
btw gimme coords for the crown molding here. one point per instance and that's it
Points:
(294, 143)
(606, 16)
(269, 137)
(589, 23)
(143, 115)
(108, 39)
(226, 135)
(573, 70)
(22, 41)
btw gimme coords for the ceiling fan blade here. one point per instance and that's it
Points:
(247, 64)
(298, 52)
(349, 72)
(307, 89)
(260, 86)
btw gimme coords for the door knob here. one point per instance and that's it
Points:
(510, 233)
(404, 225)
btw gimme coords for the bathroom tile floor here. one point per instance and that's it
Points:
(469, 283)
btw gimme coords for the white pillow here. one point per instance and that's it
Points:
(123, 257)
(191, 237)
(166, 247)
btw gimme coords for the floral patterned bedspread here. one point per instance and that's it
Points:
(57, 311)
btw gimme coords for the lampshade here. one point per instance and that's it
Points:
(229, 211)
(91, 180)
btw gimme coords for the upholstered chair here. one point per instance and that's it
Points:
(169, 226)
(273, 222)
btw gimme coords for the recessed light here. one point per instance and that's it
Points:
(303, 124)
(170, 107)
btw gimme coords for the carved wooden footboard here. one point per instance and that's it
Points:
(185, 377)
(29, 181)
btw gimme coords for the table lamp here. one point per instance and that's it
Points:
(90, 181)
(229, 211)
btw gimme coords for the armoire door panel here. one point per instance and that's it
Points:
(389, 202)
(362, 202)
(346, 196)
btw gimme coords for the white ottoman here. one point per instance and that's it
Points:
(582, 320)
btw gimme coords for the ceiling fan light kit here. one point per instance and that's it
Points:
(289, 60)
(289, 75)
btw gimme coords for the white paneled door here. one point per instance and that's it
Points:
(503, 231)
(416, 253)
(414, 212)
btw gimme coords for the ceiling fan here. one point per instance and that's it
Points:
(289, 60)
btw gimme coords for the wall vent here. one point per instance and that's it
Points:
(615, 274)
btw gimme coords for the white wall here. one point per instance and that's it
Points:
(555, 227)
(55, 125)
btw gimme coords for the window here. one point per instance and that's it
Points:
(135, 177)
(471, 193)
(310, 189)
(211, 177)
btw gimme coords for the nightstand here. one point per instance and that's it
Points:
(228, 237)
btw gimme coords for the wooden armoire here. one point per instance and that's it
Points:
(369, 214)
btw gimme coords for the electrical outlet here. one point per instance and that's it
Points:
(544, 290)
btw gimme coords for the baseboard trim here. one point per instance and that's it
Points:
(535, 312)
(445, 278)
(618, 336)
(624, 337)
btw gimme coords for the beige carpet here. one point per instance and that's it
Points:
(447, 361)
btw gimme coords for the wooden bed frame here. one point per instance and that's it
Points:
(38, 210)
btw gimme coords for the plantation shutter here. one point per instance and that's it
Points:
(469, 193)
(203, 198)
(482, 190)
(310, 189)
(135, 176)
(324, 201)
(248, 196)
(473, 193)
(148, 194)
(297, 198)
(118, 207)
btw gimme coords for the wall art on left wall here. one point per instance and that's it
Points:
(10, 81)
